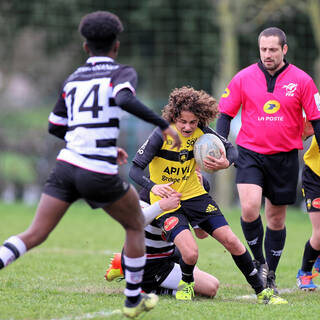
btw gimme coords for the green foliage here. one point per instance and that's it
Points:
(23, 135)
(170, 43)
(17, 168)
(63, 278)
(26, 119)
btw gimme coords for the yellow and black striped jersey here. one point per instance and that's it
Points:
(312, 157)
(177, 167)
(172, 165)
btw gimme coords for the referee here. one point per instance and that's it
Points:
(272, 95)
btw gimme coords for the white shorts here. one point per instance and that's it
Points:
(173, 279)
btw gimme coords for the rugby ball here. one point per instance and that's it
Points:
(207, 144)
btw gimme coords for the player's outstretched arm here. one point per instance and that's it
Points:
(150, 212)
(174, 135)
(128, 102)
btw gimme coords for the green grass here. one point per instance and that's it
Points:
(63, 278)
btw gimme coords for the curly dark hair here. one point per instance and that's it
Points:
(200, 103)
(100, 29)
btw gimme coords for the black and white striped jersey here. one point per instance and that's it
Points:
(87, 115)
(156, 246)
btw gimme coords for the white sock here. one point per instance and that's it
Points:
(12, 249)
(134, 268)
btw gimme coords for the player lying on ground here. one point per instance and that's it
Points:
(162, 272)
(190, 111)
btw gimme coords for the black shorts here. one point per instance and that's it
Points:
(311, 189)
(277, 174)
(70, 183)
(202, 211)
(155, 272)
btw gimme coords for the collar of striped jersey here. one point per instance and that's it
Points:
(97, 59)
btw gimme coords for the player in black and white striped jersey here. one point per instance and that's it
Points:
(87, 116)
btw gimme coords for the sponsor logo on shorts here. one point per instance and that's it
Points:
(316, 203)
(170, 223)
(157, 278)
(271, 106)
(211, 208)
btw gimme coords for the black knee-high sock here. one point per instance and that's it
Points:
(274, 244)
(253, 232)
(245, 265)
(187, 271)
(309, 257)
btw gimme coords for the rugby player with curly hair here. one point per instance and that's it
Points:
(190, 111)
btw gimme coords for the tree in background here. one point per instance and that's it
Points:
(240, 23)
(171, 43)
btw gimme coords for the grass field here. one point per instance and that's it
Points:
(63, 279)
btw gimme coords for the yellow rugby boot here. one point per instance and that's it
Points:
(146, 303)
(268, 297)
(185, 291)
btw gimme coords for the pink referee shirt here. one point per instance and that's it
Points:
(271, 121)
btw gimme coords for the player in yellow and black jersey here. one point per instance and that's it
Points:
(311, 193)
(173, 168)
(174, 171)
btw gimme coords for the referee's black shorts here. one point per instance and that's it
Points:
(70, 183)
(277, 174)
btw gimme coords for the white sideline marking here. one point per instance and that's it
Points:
(100, 314)
(288, 290)
(254, 297)
(247, 297)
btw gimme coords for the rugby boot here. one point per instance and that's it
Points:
(267, 296)
(317, 264)
(115, 270)
(146, 303)
(304, 280)
(185, 291)
(262, 269)
(271, 282)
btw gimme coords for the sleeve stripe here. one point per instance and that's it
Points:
(59, 121)
(125, 85)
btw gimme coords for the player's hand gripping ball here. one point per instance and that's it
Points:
(207, 144)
